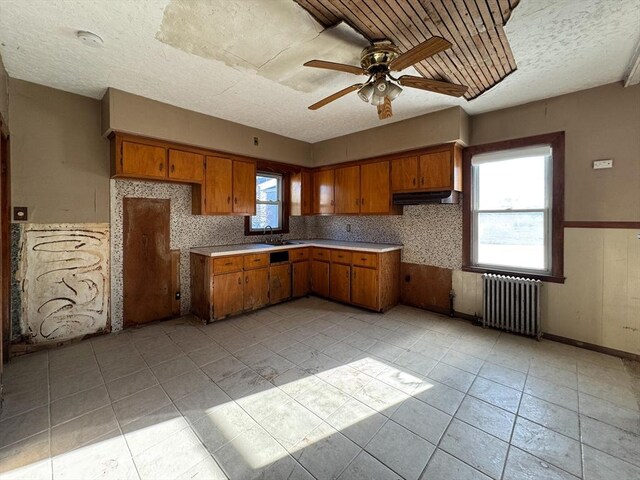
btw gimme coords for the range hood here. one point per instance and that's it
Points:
(419, 198)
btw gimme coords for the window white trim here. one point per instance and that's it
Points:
(279, 202)
(546, 210)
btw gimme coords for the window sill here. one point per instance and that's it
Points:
(544, 278)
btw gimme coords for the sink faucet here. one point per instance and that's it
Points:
(264, 232)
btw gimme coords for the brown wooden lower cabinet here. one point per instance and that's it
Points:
(256, 288)
(364, 287)
(280, 282)
(340, 283)
(227, 294)
(320, 278)
(224, 286)
(301, 278)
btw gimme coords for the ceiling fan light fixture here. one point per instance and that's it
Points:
(365, 92)
(381, 85)
(377, 100)
(393, 91)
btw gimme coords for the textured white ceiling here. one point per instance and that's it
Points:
(241, 59)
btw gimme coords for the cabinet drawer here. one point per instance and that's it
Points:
(298, 254)
(341, 256)
(322, 254)
(227, 264)
(256, 260)
(364, 259)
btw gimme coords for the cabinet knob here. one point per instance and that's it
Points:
(235, 199)
(421, 180)
(229, 199)
(239, 281)
(331, 202)
(161, 166)
(414, 181)
(362, 201)
(246, 280)
(173, 168)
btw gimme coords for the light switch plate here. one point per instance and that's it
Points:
(598, 164)
(20, 214)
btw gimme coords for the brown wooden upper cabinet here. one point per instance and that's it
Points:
(302, 193)
(439, 169)
(347, 190)
(138, 160)
(375, 194)
(148, 159)
(229, 188)
(186, 166)
(323, 192)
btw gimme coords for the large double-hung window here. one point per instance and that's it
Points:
(514, 212)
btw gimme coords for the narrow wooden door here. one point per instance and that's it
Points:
(256, 288)
(147, 276)
(186, 166)
(347, 189)
(364, 287)
(320, 278)
(339, 286)
(280, 282)
(404, 174)
(244, 187)
(227, 294)
(218, 185)
(435, 171)
(145, 161)
(323, 192)
(301, 278)
(375, 188)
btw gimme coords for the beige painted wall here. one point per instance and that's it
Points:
(444, 126)
(602, 122)
(59, 160)
(130, 113)
(4, 94)
(600, 301)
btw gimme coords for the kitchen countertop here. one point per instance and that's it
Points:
(222, 250)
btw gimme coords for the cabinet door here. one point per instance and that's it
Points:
(244, 187)
(143, 161)
(218, 185)
(301, 193)
(435, 171)
(364, 287)
(301, 278)
(186, 166)
(347, 189)
(339, 286)
(323, 189)
(320, 278)
(227, 294)
(375, 188)
(280, 281)
(256, 288)
(404, 174)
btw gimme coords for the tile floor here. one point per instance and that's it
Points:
(312, 389)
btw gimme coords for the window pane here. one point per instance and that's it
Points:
(267, 189)
(512, 240)
(512, 184)
(266, 215)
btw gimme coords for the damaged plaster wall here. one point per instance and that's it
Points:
(63, 279)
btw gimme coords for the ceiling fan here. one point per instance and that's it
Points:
(378, 61)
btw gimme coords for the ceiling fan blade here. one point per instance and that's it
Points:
(340, 67)
(335, 96)
(418, 53)
(437, 86)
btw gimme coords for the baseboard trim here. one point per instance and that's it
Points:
(593, 347)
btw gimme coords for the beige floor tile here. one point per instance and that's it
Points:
(134, 383)
(443, 466)
(78, 404)
(550, 415)
(81, 430)
(523, 466)
(612, 440)
(139, 404)
(607, 412)
(27, 459)
(496, 394)
(602, 466)
(366, 467)
(422, 419)
(486, 417)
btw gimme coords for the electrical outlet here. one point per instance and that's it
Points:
(348, 227)
(20, 214)
(256, 141)
(598, 164)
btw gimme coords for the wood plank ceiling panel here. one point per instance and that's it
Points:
(480, 56)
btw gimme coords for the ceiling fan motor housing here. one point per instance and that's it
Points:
(376, 58)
